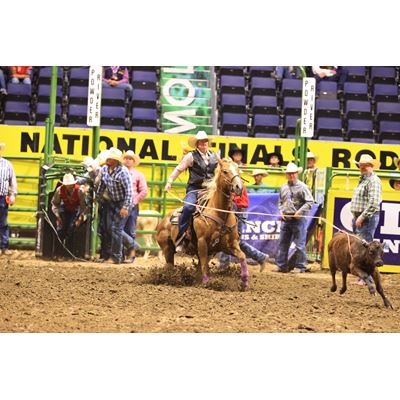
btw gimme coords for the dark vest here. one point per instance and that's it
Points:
(201, 172)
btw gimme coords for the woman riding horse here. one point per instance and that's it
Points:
(201, 164)
(215, 225)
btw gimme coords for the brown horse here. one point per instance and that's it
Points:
(215, 230)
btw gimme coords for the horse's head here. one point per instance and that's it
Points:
(229, 177)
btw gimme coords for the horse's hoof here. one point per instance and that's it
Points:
(205, 280)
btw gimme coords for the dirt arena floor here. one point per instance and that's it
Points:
(49, 296)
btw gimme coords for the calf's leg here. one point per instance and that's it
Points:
(344, 281)
(377, 279)
(332, 267)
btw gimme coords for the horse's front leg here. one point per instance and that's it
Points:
(244, 272)
(202, 250)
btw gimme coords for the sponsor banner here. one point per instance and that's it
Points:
(187, 90)
(94, 96)
(196, 83)
(195, 101)
(202, 74)
(198, 111)
(387, 232)
(190, 129)
(189, 118)
(262, 231)
(308, 107)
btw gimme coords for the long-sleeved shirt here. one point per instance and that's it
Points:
(118, 184)
(186, 163)
(262, 188)
(8, 180)
(294, 198)
(140, 189)
(56, 201)
(367, 196)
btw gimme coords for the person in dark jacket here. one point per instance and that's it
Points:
(201, 164)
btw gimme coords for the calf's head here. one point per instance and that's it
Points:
(374, 253)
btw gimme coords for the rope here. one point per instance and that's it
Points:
(271, 215)
(58, 238)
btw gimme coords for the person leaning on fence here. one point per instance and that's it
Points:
(116, 180)
(201, 163)
(310, 173)
(395, 184)
(8, 192)
(240, 205)
(258, 175)
(68, 206)
(295, 200)
(140, 190)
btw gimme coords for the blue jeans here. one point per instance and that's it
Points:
(115, 226)
(126, 86)
(129, 230)
(192, 193)
(248, 250)
(283, 72)
(4, 232)
(292, 230)
(368, 227)
(26, 81)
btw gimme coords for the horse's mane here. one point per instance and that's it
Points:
(210, 186)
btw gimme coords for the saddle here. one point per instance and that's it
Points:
(174, 219)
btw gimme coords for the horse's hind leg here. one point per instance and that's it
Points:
(169, 251)
(202, 250)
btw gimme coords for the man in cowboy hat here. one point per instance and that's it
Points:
(68, 205)
(140, 190)
(311, 171)
(116, 179)
(8, 191)
(201, 164)
(258, 175)
(295, 200)
(367, 197)
(274, 160)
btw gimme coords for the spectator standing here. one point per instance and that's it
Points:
(68, 205)
(116, 180)
(295, 200)
(8, 192)
(311, 172)
(18, 74)
(117, 77)
(140, 190)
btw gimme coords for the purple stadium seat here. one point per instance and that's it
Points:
(235, 70)
(45, 75)
(389, 132)
(233, 102)
(77, 115)
(383, 75)
(331, 127)
(382, 92)
(144, 117)
(17, 111)
(264, 104)
(261, 71)
(78, 95)
(44, 93)
(358, 109)
(355, 91)
(19, 90)
(292, 87)
(144, 76)
(263, 86)
(327, 108)
(79, 76)
(233, 122)
(356, 74)
(236, 133)
(42, 112)
(292, 106)
(327, 86)
(289, 125)
(388, 111)
(144, 98)
(113, 96)
(266, 123)
(232, 84)
(360, 130)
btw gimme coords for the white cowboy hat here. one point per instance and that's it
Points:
(2, 146)
(90, 164)
(68, 179)
(135, 157)
(259, 172)
(102, 157)
(114, 154)
(310, 154)
(201, 135)
(292, 167)
(367, 159)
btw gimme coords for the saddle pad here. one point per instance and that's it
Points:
(174, 219)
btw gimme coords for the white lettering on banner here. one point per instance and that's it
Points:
(178, 70)
(308, 107)
(391, 246)
(184, 82)
(346, 217)
(391, 219)
(183, 125)
(94, 96)
(266, 227)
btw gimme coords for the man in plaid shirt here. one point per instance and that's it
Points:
(367, 197)
(116, 179)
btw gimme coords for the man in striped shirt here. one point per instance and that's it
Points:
(366, 200)
(8, 191)
(116, 179)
